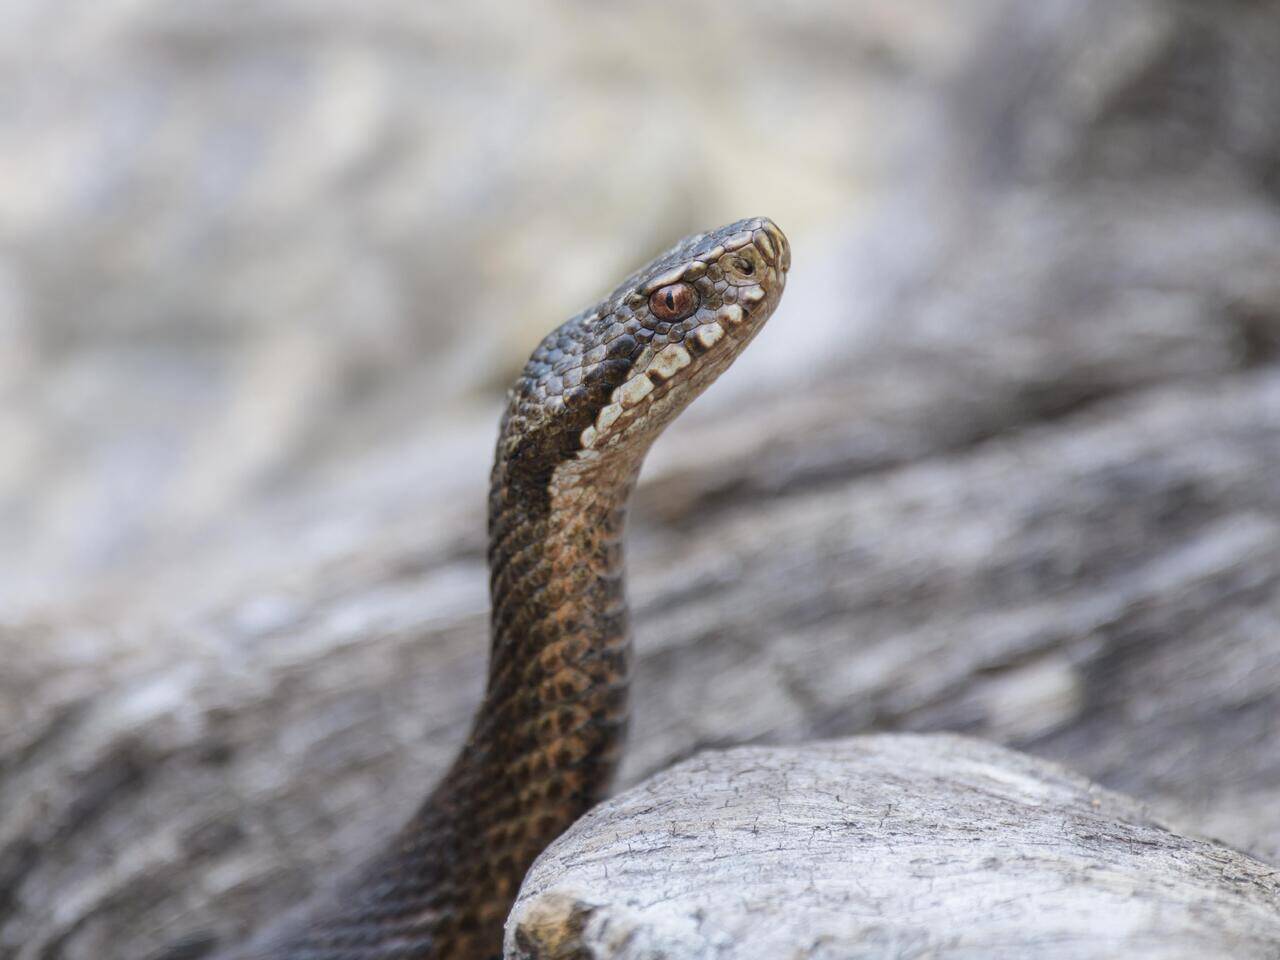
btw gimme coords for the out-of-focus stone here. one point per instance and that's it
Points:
(251, 242)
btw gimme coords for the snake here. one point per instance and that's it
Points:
(548, 736)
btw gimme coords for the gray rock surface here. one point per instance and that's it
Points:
(242, 243)
(1007, 462)
(886, 846)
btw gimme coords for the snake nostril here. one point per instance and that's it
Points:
(773, 246)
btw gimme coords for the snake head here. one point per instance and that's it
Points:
(611, 378)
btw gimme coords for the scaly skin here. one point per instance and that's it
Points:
(547, 738)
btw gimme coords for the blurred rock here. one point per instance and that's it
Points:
(1101, 589)
(886, 846)
(1127, 91)
(248, 242)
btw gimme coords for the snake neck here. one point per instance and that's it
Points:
(546, 741)
(555, 706)
(544, 744)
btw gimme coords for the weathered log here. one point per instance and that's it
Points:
(1104, 590)
(886, 846)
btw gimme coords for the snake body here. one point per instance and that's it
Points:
(547, 738)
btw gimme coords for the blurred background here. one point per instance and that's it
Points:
(243, 243)
(1006, 460)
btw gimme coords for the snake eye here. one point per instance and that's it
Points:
(674, 302)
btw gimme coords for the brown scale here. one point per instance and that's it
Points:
(547, 738)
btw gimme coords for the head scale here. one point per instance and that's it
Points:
(611, 378)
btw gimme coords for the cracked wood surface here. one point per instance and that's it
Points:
(894, 845)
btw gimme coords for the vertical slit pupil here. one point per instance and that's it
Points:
(673, 302)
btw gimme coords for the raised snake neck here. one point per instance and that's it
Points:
(547, 738)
